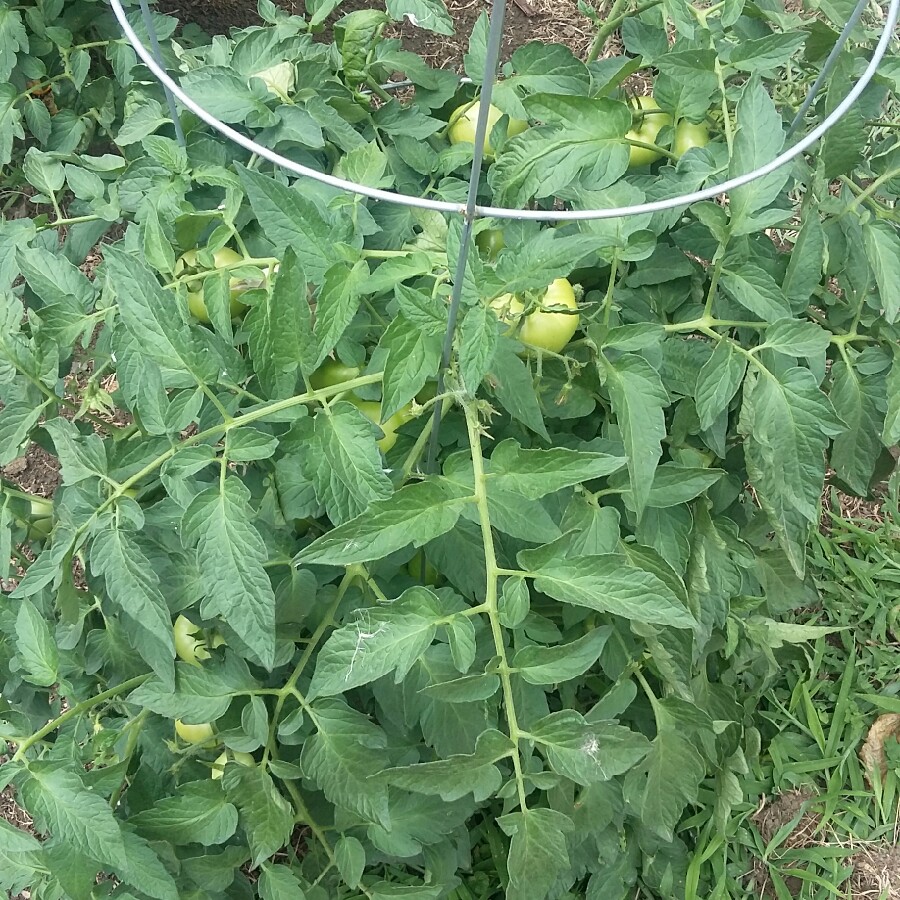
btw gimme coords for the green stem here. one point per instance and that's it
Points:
(304, 816)
(75, 220)
(491, 594)
(647, 145)
(713, 287)
(607, 300)
(134, 732)
(414, 455)
(76, 710)
(291, 683)
(616, 18)
(726, 116)
(223, 428)
(877, 183)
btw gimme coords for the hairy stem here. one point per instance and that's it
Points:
(77, 710)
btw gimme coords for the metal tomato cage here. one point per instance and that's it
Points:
(471, 210)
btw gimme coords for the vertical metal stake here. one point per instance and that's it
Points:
(157, 55)
(492, 56)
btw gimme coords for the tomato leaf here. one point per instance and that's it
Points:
(562, 662)
(431, 15)
(341, 759)
(856, 400)
(231, 554)
(346, 463)
(155, 318)
(607, 583)
(201, 693)
(638, 400)
(291, 220)
(786, 420)
(477, 340)
(264, 815)
(415, 514)
(280, 330)
(63, 807)
(758, 140)
(198, 814)
(413, 357)
(134, 589)
(377, 643)
(583, 138)
(537, 851)
(279, 883)
(674, 768)
(718, 382)
(336, 304)
(588, 752)
(510, 380)
(35, 646)
(458, 774)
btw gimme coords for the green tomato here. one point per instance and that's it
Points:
(688, 135)
(544, 328)
(414, 567)
(371, 409)
(189, 648)
(465, 118)
(242, 759)
(222, 258)
(648, 127)
(490, 242)
(332, 372)
(194, 734)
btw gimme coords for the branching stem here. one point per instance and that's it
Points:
(491, 592)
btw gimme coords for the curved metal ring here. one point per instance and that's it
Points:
(502, 212)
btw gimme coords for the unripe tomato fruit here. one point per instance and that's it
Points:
(371, 409)
(647, 130)
(543, 328)
(490, 242)
(193, 734)
(223, 257)
(465, 118)
(242, 759)
(332, 372)
(689, 135)
(192, 650)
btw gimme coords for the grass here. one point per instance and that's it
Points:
(828, 826)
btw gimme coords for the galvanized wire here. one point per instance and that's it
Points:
(707, 193)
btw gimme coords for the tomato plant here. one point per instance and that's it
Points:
(224, 670)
